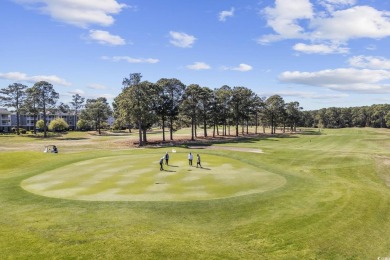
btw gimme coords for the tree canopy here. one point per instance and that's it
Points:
(96, 110)
(14, 96)
(46, 98)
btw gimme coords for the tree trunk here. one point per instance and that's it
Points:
(144, 135)
(171, 128)
(17, 123)
(192, 129)
(140, 133)
(35, 122)
(44, 122)
(237, 126)
(163, 127)
(205, 128)
(195, 127)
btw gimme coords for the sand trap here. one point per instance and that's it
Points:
(136, 178)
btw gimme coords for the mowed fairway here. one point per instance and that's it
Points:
(138, 178)
(312, 195)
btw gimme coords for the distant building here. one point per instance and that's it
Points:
(27, 122)
(5, 120)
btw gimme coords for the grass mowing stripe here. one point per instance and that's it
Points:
(114, 178)
(332, 204)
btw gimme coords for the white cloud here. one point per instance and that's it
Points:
(97, 86)
(104, 37)
(76, 12)
(341, 22)
(77, 91)
(182, 40)
(306, 95)
(357, 22)
(241, 67)
(320, 48)
(130, 59)
(371, 47)
(284, 19)
(108, 96)
(343, 79)
(198, 66)
(19, 76)
(370, 62)
(224, 14)
(332, 5)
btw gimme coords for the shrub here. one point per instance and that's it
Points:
(40, 124)
(58, 124)
(83, 125)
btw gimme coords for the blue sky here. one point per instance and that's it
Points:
(321, 53)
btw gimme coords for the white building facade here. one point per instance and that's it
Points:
(5, 120)
(8, 120)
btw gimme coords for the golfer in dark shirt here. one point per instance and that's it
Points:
(161, 163)
(198, 161)
(166, 158)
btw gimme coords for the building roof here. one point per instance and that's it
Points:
(4, 111)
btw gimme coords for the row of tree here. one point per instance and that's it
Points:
(377, 116)
(168, 102)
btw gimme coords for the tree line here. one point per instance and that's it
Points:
(168, 103)
(376, 116)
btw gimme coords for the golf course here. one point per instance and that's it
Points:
(314, 194)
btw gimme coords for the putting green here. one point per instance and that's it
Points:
(138, 178)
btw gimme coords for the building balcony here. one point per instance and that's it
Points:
(5, 123)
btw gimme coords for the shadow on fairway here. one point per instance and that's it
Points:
(168, 171)
(71, 138)
(203, 168)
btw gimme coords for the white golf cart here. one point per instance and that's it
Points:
(50, 149)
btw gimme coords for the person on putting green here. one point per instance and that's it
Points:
(198, 161)
(161, 163)
(190, 157)
(166, 158)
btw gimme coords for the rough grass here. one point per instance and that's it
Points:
(335, 205)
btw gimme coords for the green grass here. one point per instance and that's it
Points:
(334, 205)
(137, 177)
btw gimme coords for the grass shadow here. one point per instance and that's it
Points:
(310, 132)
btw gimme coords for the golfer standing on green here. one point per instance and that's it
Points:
(161, 163)
(190, 159)
(166, 158)
(198, 161)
